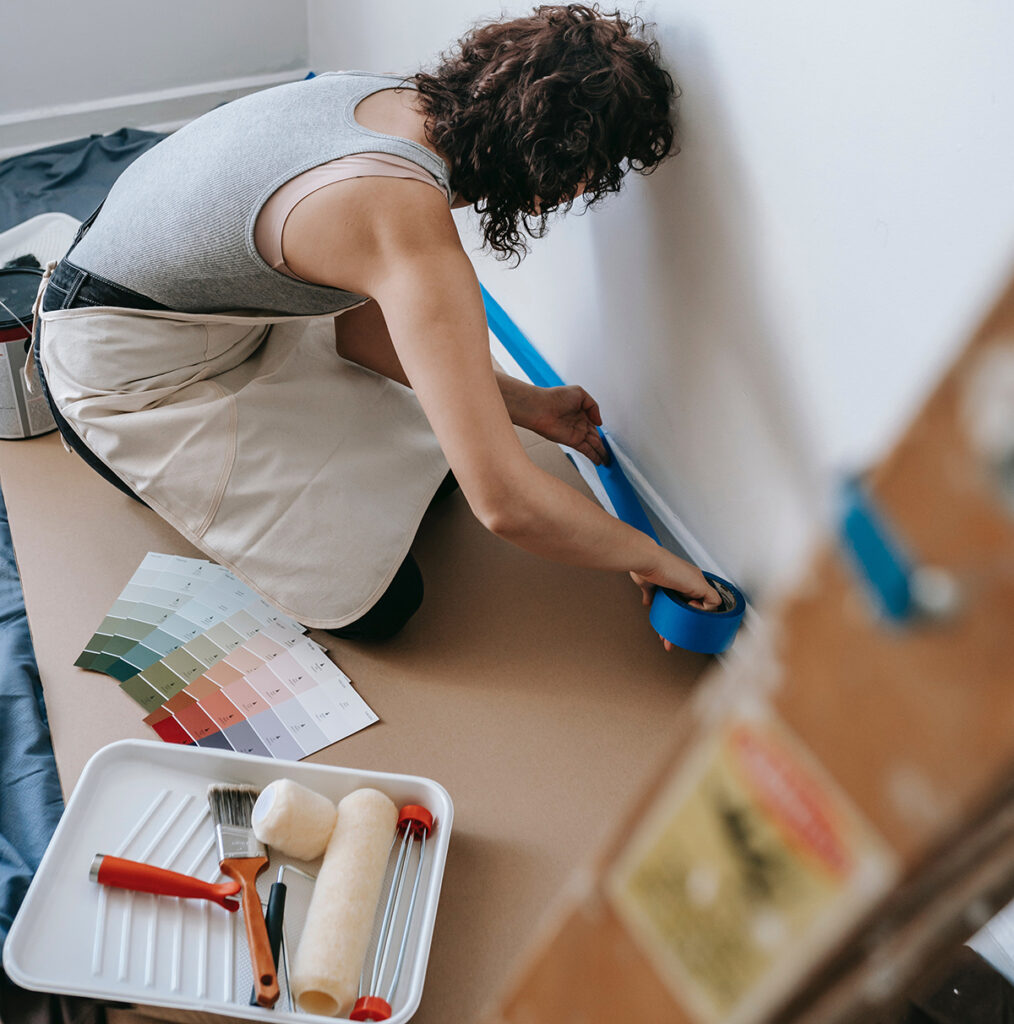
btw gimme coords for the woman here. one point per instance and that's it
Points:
(188, 337)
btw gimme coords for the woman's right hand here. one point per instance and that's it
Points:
(686, 579)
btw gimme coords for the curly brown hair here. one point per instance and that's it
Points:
(537, 106)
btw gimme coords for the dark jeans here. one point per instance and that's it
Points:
(70, 287)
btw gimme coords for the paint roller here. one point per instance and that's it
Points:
(293, 820)
(355, 841)
(671, 615)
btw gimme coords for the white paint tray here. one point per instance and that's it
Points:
(147, 801)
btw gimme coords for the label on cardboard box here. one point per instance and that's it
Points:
(745, 870)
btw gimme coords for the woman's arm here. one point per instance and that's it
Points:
(410, 260)
(567, 414)
(435, 315)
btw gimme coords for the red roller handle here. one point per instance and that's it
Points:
(131, 874)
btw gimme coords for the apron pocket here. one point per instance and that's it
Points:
(176, 455)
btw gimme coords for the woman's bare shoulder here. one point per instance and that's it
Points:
(342, 235)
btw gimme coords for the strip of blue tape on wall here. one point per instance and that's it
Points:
(672, 617)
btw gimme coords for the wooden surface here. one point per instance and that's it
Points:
(537, 694)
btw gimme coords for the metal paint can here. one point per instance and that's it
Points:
(24, 411)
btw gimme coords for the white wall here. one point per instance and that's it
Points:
(72, 68)
(773, 305)
(767, 309)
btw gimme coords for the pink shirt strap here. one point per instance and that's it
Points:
(274, 213)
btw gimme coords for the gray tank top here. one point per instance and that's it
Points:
(178, 224)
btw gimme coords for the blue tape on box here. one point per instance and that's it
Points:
(876, 554)
(671, 616)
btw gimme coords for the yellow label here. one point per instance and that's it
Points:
(744, 872)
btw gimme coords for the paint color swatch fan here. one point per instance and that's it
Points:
(216, 666)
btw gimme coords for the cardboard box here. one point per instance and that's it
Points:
(839, 815)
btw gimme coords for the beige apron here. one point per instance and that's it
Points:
(303, 473)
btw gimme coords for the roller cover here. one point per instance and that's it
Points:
(339, 922)
(293, 820)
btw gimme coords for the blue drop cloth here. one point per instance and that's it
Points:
(71, 177)
(30, 799)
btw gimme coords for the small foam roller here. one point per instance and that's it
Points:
(293, 820)
(339, 921)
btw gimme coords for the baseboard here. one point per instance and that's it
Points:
(663, 514)
(155, 110)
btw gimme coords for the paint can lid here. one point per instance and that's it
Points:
(18, 288)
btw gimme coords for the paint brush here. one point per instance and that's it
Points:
(243, 858)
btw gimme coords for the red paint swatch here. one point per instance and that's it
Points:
(167, 728)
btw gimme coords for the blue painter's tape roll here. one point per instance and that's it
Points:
(673, 618)
(693, 628)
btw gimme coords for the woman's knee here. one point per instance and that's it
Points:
(399, 602)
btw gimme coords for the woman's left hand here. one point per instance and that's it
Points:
(567, 415)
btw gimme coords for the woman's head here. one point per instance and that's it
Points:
(543, 106)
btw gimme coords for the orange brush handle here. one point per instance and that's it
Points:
(245, 870)
(131, 874)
